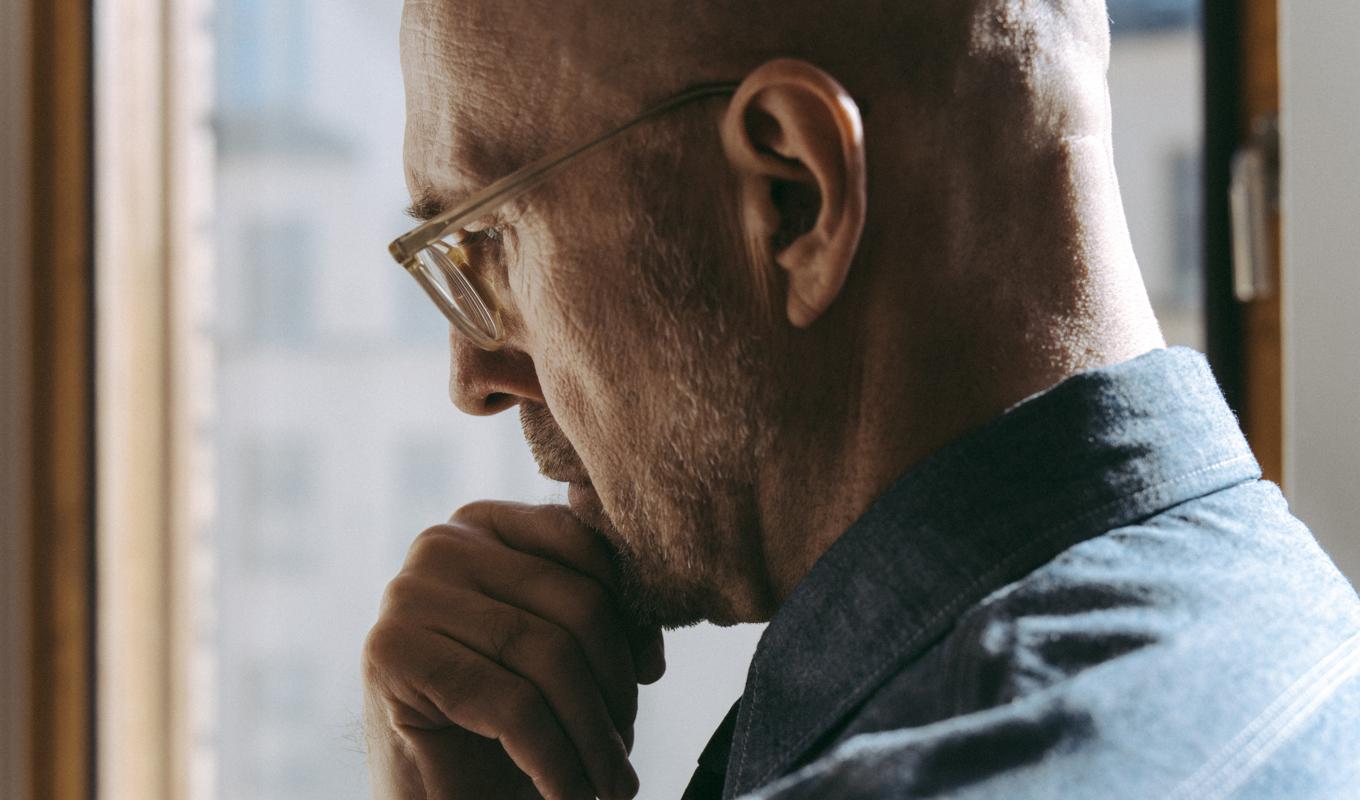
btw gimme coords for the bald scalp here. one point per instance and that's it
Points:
(986, 122)
(939, 53)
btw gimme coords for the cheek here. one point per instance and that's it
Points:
(585, 326)
(574, 304)
(580, 354)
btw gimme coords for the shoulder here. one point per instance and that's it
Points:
(1210, 645)
(1042, 747)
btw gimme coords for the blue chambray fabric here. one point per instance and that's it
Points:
(1094, 595)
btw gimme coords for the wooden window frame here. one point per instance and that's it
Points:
(152, 246)
(1242, 85)
(59, 738)
(47, 691)
(14, 401)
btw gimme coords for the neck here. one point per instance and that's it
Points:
(937, 349)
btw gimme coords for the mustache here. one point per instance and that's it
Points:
(556, 458)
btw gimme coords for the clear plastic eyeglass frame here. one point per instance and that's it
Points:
(434, 252)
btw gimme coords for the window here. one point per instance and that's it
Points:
(264, 58)
(272, 700)
(271, 491)
(1157, 99)
(425, 473)
(278, 271)
(416, 319)
(1187, 212)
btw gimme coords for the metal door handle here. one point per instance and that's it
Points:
(1253, 198)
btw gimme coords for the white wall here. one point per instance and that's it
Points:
(1321, 158)
(14, 194)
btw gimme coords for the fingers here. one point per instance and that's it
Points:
(504, 628)
(576, 604)
(537, 650)
(443, 758)
(651, 661)
(462, 556)
(549, 532)
(553, 533)
(438, 683)
(392, 770)
(549, 658)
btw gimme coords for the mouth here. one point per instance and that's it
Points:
(558, 461)
(556, 458)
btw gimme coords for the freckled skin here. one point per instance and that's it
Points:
(742, 321)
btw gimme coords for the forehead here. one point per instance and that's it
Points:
(491, 85)
(459, 126)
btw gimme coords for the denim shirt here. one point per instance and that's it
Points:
(1093, 595)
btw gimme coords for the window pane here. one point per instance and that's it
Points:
(334, 440)
(1157, 96)
(277, 269)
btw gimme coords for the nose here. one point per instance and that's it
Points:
(485, 382)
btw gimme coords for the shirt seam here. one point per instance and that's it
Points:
(952, 606)
(1232, 764)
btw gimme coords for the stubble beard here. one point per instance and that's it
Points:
(678, 491)
(677, 498)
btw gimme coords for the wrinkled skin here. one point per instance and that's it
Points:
(730, 329)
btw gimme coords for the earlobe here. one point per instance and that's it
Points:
(792, 133)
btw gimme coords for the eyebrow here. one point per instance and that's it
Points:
(426, 206)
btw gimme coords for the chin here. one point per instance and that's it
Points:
(585, 505)
(652, 594)
(677, 564)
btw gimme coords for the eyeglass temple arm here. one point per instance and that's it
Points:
(405, 247)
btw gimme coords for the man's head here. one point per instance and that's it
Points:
(730, 327)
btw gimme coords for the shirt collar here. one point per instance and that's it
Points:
(1098, 451)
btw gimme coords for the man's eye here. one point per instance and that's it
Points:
(483, 236)
(474, 235)
(489, 226)
(486, 249)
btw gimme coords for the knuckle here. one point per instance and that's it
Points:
(556, 646)
(472, 512)
(383, 648)
(505, 630)
(451, 680)
(431, 544)
(403, 593)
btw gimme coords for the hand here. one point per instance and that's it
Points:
(500, 665)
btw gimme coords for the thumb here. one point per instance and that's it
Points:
(650, 656)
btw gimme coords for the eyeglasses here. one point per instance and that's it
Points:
(445, 259)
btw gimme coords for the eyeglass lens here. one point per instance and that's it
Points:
(442, 271)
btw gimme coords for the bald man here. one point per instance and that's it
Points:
(829, 317)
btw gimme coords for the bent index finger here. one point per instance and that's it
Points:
(549, 532)
(553, 533)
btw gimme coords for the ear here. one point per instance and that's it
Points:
(793, 135)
